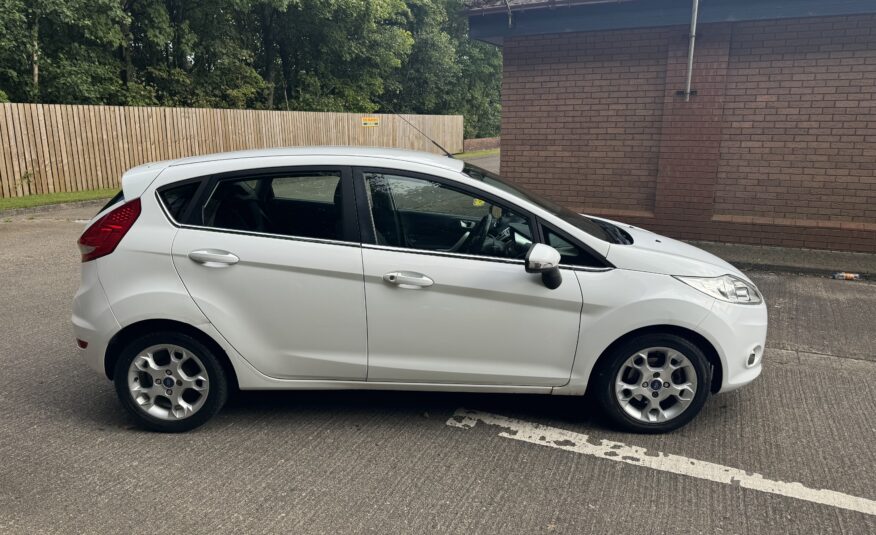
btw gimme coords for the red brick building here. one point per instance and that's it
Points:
(776, 144)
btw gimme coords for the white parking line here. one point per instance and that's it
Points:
(618, 451)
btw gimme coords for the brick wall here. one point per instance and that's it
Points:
(778, 146)
(579, 111)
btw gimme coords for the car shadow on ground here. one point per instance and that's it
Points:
(556, 409)
(577, 412)
(363, 406)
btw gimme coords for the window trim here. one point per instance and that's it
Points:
(191, 219)
(429, 252)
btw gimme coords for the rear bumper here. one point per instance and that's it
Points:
(93, 320)
(737, 332)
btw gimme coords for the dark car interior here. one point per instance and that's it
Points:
(498, 232)
(253, 206)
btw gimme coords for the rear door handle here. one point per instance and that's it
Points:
(213, 257)
(408, 279)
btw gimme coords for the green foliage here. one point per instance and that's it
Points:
(327, 55)
(331, 55)
(447, 72)
(12, 54)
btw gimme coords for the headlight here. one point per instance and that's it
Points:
(726, 288)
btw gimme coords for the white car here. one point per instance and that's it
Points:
(365, 268)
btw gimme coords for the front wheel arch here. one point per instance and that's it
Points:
(135, 330)
(692, 336)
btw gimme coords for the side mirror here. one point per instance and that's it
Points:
(545, 259)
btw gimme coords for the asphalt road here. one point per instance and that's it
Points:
(369, 462)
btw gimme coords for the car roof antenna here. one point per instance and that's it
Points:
(445, 151)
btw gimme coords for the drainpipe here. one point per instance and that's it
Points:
(510, 19)
(690, 50)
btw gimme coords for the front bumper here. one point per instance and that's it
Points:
(737, 332)
(93, 320)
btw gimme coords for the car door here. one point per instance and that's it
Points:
(273, 259)
(447, 295)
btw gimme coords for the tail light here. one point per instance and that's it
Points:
(102, 237)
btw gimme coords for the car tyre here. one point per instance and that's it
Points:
(200, 384)
(625, 383)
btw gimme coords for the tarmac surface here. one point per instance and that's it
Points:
(374, 462)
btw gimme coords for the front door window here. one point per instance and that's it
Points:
(416, 213)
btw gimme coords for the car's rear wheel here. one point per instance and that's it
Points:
(653, 383)
(170, 382)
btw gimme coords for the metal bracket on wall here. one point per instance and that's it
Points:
(683, 93)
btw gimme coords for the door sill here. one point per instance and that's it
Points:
(298, 384)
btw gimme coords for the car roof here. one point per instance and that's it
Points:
(137, 179)
(411, 156)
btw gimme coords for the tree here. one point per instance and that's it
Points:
(50, 52)
(180, 53)
(447, 72)
(13, 62)
(332, 55)
(477, 96)
(425, 81)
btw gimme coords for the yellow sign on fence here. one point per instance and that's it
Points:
(370, 121)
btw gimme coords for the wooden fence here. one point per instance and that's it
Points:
(54, 148)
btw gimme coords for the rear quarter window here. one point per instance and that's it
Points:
(177, 199)
(120, 196)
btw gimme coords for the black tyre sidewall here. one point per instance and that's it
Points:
(218, 381)
(610, 366)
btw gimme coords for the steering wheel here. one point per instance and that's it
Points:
(478, 237)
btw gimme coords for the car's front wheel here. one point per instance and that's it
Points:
(653, 383)
(170, 382)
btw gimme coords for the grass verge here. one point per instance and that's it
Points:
(476, 154)
(55, 198)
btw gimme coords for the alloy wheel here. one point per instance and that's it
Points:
(168, 382)
(655, 384)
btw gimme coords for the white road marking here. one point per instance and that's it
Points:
(618, 451)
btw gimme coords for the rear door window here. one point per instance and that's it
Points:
(300, 204)
(308, 187)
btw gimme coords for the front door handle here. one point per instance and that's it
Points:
(408, 279)
(213, 257)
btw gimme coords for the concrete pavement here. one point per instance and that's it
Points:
(373, 462)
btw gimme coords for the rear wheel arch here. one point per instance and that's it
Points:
(135, 330)
(692, 336)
